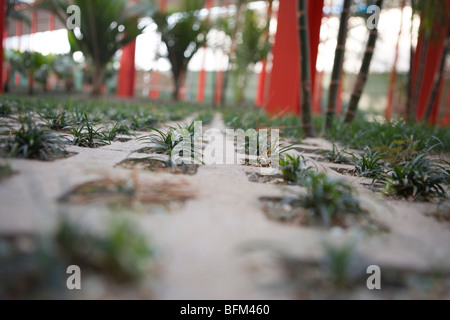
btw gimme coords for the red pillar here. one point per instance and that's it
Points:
(2, 31)
(285, 79)
(284, 91)
(19, 35)
(434, 53)
(202, 74)
(315, 15)
(201, 79)
(433, 56)
(219, 86)
(34, 21)
(127, 72)
(259, 100)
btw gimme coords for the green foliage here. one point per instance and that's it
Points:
(338, 263)
(160, 142)
(118, 128)
(329, 200)
(370, 164)
(31, 142)
(183, 33)
(106, 26)
(251, 48)
(418, 178)
(122, 253)
(336, 155)
(56, 120)
(5, 108)
(85, 135)
(295, 169)
(399, 135)
(5, 171)
(29, 63)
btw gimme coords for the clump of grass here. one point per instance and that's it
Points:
(122, 254)
(5, 108)
(166, 143)
(85, 135)
(328, 200)
(336, 155)
(370, 164)
(206, 117)
(142, 122)
(295, 169)
(56, 120)
(118, 128)
(5, 171)
(419, 179)
(31, 142)
(34, 266)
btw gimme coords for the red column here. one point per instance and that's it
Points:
(127, 72)
(219, 86)
(34, 21)
(315, 15)
(284, 91)
(434, 53)
(285, 79)
(19, 35)
(51, 22)
(202, 74)
(2, 30)
(433, 56)
(201, 79)
(259, 100)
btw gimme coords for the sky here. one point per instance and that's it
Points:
(148, 44)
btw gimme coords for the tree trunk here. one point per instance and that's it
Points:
(97, 80)
(417, 84)
(410, 83)
(337, 67)
(30, 83)
(393, 79)
(178, 80)
(308, 126)
(363, 73)
(226, 76)
(438, 78)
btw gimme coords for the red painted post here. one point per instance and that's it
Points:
(51, 22)
(201, 79)
(127, 72)
(219, 86)
(315, 13)
(202, 74)
(285, 79)
(2, 30)
(259, 100)
(19, 35)
(284, 92)
(434, 53)
(34, 21)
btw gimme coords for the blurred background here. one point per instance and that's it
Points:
(221, 35)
